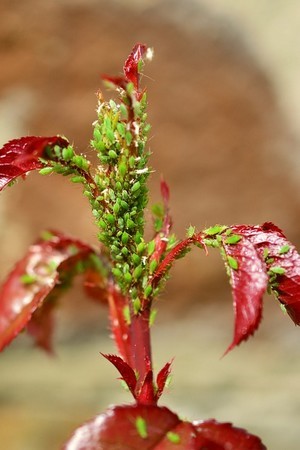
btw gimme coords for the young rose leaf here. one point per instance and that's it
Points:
(160, 241)
(44, 270)
(20, 156)
(131, 66)
(150, 427)
(162, 378)
(125, 371)
(249, 282)
(260, 257)
(131, 70)
(227, 436)
(41, 325)
(282, 264)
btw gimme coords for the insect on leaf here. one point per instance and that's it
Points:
(37, 278)
(144, 427)
(20, 156)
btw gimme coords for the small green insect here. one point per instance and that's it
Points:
(173, 437)
(141, 427)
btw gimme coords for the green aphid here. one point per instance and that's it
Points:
(47, 235)
(138, 272)
(211, 243)
(277, 270)
(152, 317)
(151, 247)
(141, 247)
(131, 162)
(118, 186)
(57, 151)
(97, 134)
(136, 186)
(129, 88)
(112, 154)
(138, 237)
(110, 218)
(148, 291)
(233, 239)
(136, 259)
(127, 277)
(173, 437)
(232, 262)
(46, 170)
(121, 129)
(128, 138)
(217, 229)
(52, 266)
(112, 194)
(67, 153)
(78, 179)
(190, 231)
(122, 169)
(81, 162)
(124, 111)
(136, 305)
(284, 249)
(117, 272)
(116, 208)
(147, 128)
(130, 224)
(126, 314)
(110, 135)
(113, 105)
(101, 223)
(27, 278)
(153, 266)
(125, 237)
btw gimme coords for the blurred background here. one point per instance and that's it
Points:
(225, 108)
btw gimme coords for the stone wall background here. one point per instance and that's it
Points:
(223, 104)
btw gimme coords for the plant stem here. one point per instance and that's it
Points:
(140, 343)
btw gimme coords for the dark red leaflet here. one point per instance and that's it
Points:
(249, 283)
(277, 252)
(20, 156)
(30, 283)
(141, 427)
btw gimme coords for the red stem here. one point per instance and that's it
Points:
(140, 345)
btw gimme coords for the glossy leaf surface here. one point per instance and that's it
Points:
(131, 70)
(46, 266)
(20, 156)
(249, 282)
(152, 427)
(282, 262)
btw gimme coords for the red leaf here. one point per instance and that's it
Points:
(263, 254)
(125, 370)
(146, 395)
(19, 156)
(162, 377)
(228, 437)
(131, 66)
(41, 325)
(130, 69)
(249, 283)
(141, 427)
(32, 280)
(280, 254)
(173, 254)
